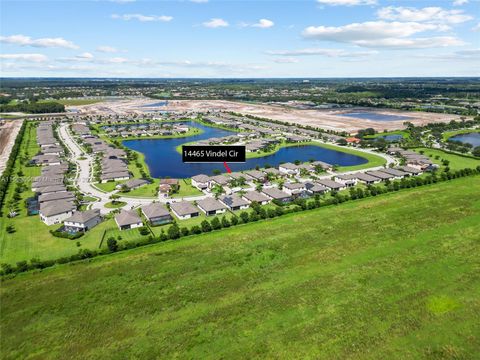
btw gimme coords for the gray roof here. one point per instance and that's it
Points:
(83, 216)
(322, 164)
(275, 193)
(64, 195)
(330, 184)
(289, 166)
(233, 200)
(255, 196)
(136, 182)
(210, 204)
(366, 177)
(56, 207)
(272, 171)
(51, 189)
(220, 179)
(315, 187)
(183, 208)
(255, 174)
(127, 217)
(380, 175)
(154, 210)
(394, 172)
(201, 178)
(409, 169)
(294, 186)
(347, 177)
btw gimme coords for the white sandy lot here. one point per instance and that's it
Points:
(325, 119)
(8, 133)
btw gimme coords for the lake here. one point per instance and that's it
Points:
(161, 103)
(391, 138)
(374, 116)
(163, 160)
(470, 138)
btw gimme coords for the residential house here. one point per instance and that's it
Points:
(294, 189)
(211, 206)
(200, 181)
(277, 194)
(54, 212)
(256, 196)
(184, 210)
(128, 219)
(156, 214)
(82, 221)
(234, 202)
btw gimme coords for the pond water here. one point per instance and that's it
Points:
(163, 160)
(470, 138)
(374, 116)
(392, 137)
(161, 103)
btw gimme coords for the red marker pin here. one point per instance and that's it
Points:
(226, 167)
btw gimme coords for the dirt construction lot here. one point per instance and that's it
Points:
(325, 119)
(8, 133)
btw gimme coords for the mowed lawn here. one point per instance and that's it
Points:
(456, 161)
(391, 277)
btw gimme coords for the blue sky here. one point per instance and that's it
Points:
(209, 38)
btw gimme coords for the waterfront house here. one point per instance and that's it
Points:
(289, 169)
(200, 181)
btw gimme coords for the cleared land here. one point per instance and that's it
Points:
(326, 119)
(386, 278)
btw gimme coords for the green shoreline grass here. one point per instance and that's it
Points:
(449, 134)
(385, 277)
(405, 134)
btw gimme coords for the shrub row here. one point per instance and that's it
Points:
(9, 168)
(259, 213)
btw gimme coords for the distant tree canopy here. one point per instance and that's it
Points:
(34, 107)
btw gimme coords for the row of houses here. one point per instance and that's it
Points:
(52, 201)
(112, 160)
(412, 158)
(145, 130)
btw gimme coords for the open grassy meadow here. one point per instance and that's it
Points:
(388, 277)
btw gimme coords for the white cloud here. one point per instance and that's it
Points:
(24, 40)
(142, 18)
(322, 52)
(285, 60)
(416, 43)
(383, 34)
(85, 55)
(460, 2)
(369, 30)
(215, 23)
(106, 49)
(347, 2)
(25, 57)
(427, 14)
(476, 27)
(264, 24)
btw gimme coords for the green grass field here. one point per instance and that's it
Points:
(456, 161)
(391, 277)
(405, 134)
